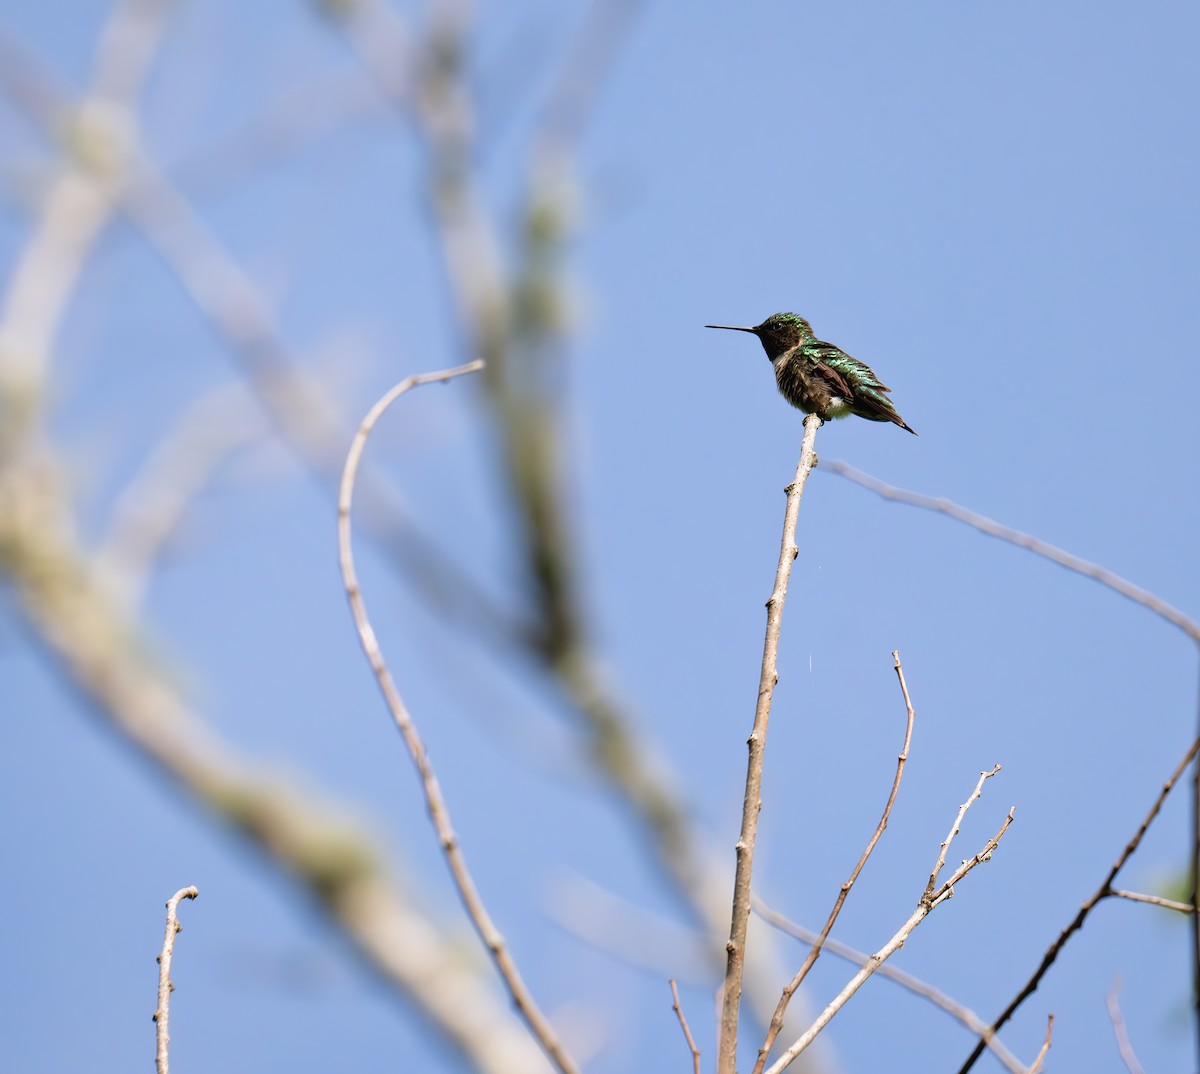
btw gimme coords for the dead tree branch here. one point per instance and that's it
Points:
(439, 812)
(735, 949)
(165, 987)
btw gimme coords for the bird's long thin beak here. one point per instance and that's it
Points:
(732, 328)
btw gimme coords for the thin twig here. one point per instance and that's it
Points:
(439, 814)
(752, 802)
(1154, 900)
(1124, 1046)
(930, 900)
(1027, 541)
(1102, 892)
(962, 812)
(938, 998)
(1040, 1058)
(165, 987)
(815, 950)
(687, 1033)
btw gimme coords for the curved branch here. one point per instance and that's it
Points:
(439, 814)
(1038, 547)
(1124, 1045)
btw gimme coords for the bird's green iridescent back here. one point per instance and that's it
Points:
(855, 382)
(860, 376)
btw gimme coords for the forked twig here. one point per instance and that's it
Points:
(687, 1033)
(915, 985)
(962, 812)
(439, 814)
(1102, 892)
(929, 900)
(752, 802)
(817, 945)
(165, 988)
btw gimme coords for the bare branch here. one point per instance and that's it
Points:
(951, 1006)
(962, 812)
(928, 901)
(165, 987)
(752, 802)
(687, 1033)
(1032, 544)
(1040, 1058)
(439, 813)
(1154, 900)
(1119, 1031)
(1102, 892)
(815, 950)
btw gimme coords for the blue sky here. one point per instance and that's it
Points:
(995, 208)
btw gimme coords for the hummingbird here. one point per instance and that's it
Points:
(818, 377)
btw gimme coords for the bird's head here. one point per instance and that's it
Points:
(778, 334)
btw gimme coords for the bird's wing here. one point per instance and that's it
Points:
(868, 394)
(819, 356)
(837, 359)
